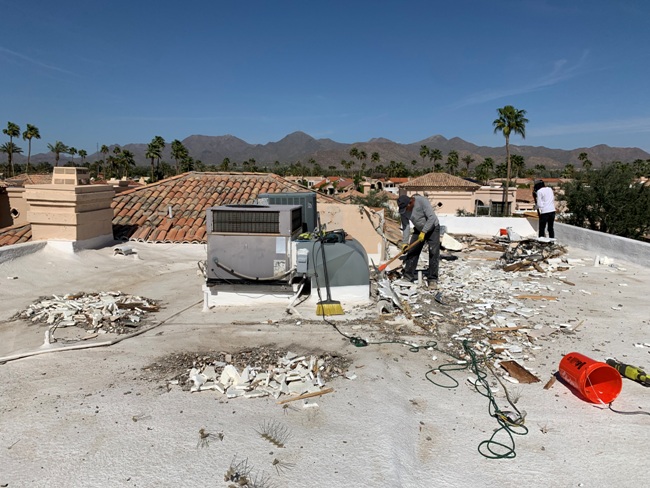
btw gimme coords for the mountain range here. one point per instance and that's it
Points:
(298, 146)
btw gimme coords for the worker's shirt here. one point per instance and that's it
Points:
(422, 215)
(545, 200)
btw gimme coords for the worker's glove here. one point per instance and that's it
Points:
(404, 247)
(421, 237)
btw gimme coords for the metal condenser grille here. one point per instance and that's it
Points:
(250, 222)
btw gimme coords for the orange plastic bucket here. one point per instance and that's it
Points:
(595, 381)
(503, 232)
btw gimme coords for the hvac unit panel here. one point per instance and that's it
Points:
(242, 258)
(251, 243)
(307, 200)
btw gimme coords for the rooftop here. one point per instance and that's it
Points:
(439, 181)
(113, 399)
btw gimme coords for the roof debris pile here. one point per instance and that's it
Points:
(529, 253)
(103, 312)
(252, 373)
(501, 313)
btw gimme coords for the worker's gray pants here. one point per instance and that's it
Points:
(432, 238)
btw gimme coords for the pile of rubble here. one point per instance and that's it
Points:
(253, 373)
(529, 253)
(114, 312)
(498, 310)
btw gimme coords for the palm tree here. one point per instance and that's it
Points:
(12, 130)
(82, 154)
(10, 148)
(568, 171)
(30, 133)
(154, 151)
(452, 161)
(225, 164)
(424, 152)
(435, 155)
(518, 164)
(104, 150)
(179, 151)
(160, 142)
(468, 160)
(374, 158)
(126, 161)
(72, 151)
(484, 169)
(510, 121)
(586, 163)
(57, 149)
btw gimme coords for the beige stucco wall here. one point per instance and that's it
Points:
(465, 200)
(355, 221)
(67, 212)
(17, 201)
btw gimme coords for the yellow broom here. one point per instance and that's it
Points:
(329, 306)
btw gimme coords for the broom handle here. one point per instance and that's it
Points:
(410, 246)
(322, 247)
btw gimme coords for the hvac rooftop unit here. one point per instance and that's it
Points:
(251, 243)
(306, 199)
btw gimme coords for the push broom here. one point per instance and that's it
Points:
(329, 306)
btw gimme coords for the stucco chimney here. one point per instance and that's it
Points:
(70, 209)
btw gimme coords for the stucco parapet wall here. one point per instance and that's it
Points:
(7, 253)
(68, 192)
(54, 215)
(603, 244)
(486, 226)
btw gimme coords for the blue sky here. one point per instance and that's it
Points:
(89, 73)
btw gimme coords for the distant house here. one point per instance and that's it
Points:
(451, 195)
(334, 185)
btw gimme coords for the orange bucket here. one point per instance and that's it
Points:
(503, 232)
(595, 381)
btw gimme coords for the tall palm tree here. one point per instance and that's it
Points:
(586, 163)
(179, 152)
(57, 148)
(467, 160)
(126, 161)
(375, 158)
(435, 155)
(452, 161)
(160, 142)
(153, 151)
(12, 130)
(30, 133)
(510, 121)
(72, 151)
(424, 152)
(82, 154)
(10, 148)
(104, 150)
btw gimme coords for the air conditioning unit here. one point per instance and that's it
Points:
(252, 243)
(306, 199)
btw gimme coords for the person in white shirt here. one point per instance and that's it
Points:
(545, 203)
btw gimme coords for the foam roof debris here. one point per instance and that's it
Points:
(100, 312)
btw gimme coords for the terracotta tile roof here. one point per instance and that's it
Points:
(340, 181)
(15, 234)
(143, 214)
(439, 181)
(29, 179)
(525, 195)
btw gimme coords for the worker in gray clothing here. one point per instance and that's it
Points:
(417, 209)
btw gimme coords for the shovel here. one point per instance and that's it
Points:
(382, 267)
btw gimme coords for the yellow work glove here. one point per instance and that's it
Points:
(404, 247)
(421, 237)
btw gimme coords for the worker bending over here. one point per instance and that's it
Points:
(417, 209)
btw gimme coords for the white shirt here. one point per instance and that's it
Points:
(545, 200)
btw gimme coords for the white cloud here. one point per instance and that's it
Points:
(632, 125)
(561, 71)
(35, 62)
